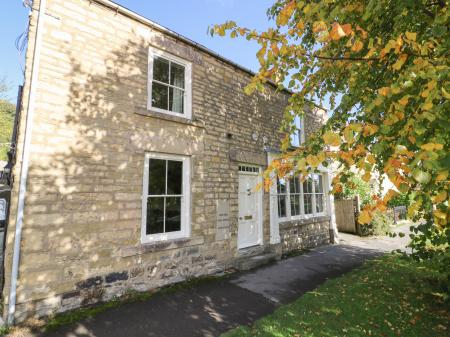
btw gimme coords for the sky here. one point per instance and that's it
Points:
(189, 18)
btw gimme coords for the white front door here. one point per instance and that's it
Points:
(250, 207)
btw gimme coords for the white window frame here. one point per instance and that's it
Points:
(187, 108)
(301, 136)
(185, 214)
(273, 202)
(302, 214)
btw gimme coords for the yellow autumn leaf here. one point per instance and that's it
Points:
(371, 158)
(349, 135)
(347, 28)
(301, 164)
(357, 46)
(401, 60)
(432, 146)
(389, 195)
(332, 138)
(370, 129)
(404, 100)
(366, 177)
(336, 32)
(364, 217)
(445, 93)
(442, 196)
(378, 101)
(285, 14)
(440, 215)
(313, 161)
(442, 176)
(321, 156)
(427, 106)
(411, 36)
(319, 26)
(355, 127)
(384, 91)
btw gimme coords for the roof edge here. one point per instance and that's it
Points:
(138, 17)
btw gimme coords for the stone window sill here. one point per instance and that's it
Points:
(155, 114)
(159, 246)
(306, 221)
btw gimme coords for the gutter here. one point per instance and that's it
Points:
(25, 161)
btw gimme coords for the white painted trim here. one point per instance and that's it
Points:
(261, 208)
(330, 208)
(275, 220)
(152, 52)
(185, 200)
(302, 131)
(34, 82)
(273, 207)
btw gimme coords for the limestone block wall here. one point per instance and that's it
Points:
(82, 222)
(304, 233)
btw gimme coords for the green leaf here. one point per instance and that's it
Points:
(421, 176)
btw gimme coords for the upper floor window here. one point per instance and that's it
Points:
(298, 135)
(169, 84)
(165, 200)
(296, 199)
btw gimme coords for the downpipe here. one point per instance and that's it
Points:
(25, 162)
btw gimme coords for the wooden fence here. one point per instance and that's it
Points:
(346, 211)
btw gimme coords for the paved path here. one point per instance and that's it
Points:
(215, 307)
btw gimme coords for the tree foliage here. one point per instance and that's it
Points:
(7, 111)
(354, 186)
(383, 65)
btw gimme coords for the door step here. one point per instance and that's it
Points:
(247, 263)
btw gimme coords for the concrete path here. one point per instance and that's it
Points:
(215, 307)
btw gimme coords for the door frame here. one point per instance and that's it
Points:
(259, 178)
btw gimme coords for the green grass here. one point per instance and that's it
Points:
(389, 296)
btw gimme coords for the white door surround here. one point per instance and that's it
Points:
(250, 202)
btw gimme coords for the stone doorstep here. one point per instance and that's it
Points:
(247, 263)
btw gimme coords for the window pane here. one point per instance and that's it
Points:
(295, 139)
(155, 215)
(308, 203)
(318, 183)
(319, 203)
(174, 177)
(159, 96)
(176, 100)
(173, 214)
(307, 185)
(281, 186)
(298, 122)
(161, 69)
(156, 177)
(294, 185)
(295, 204)
(177, 75)
(281, 206)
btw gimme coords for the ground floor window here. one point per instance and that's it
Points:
(296, 198)
(165, 200)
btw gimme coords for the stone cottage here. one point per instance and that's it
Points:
(138, 157)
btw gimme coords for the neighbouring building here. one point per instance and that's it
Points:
(137, 160)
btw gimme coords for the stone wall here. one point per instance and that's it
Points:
(82, 222)
(304, 233)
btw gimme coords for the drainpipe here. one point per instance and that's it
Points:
(25, 161)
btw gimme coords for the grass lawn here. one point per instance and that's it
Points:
(389, 296)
